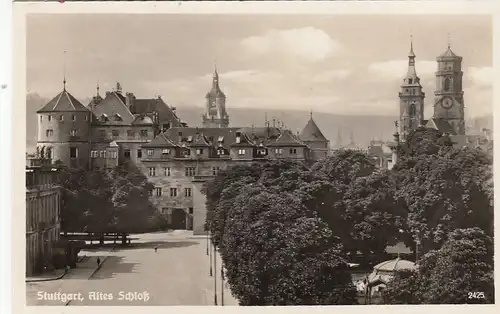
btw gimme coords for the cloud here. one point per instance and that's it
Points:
(395, 69)
(327, 76)
(481, 76)
(308, 43)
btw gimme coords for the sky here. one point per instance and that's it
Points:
(341, 64)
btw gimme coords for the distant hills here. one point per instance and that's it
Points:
(363, 128)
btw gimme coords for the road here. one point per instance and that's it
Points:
(177, 274)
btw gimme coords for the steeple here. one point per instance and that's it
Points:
(338, 142)
(64, 72)
(97, 89)
(412, 73)
(215, 111)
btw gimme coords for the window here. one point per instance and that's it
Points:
(126, 153)
(413, 110)
(410, 81)
(41, 118)
(447, 84)
(130, 133)
(73, 117)
(115, 133)
(102, 133)
(190, 171)
(293, 151)
(166, 172)
(215, 170)
(190, 138)
(49, 132)
(220, 139)
(164, 210)
(173, 192)
(278, 151)
(72, 132)
(241, 152)
(187, 192)
(144, 133)
(220, 151)
(187, 152)
(61, 117)
(150, 152)
(86, 118)
(150, 192)
(94, 154)
(166, 126)
(191, 210)
(73, 152)
(49, 118)
(113, 154)
(165, 151)
(152, 172)
(158, 191)
(199, 151)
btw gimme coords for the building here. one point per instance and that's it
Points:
(177, 159)
(42, 213)
(448, 105)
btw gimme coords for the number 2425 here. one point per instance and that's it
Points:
(475, 295)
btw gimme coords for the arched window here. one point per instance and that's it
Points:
(447, 84)
(413, 110)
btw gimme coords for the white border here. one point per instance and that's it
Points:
(277, 7)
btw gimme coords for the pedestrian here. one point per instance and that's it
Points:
(156, 249)
(98, 262)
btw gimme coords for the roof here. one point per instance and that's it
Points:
(244, 141)
(162, 140)
(112, 110)
(448, 53)
(287, 139)
(441, 125)
(312, 133)
(394, 265)
(64, 101)
(199, 140)
(215, 91)
(147, 106)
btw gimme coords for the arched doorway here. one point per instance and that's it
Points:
(178, 220)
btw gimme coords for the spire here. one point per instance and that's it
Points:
(97, 88)
(64, 72)
(411, 54)
(412, 73)
(310, 114)
(216, 74)
(449, 41)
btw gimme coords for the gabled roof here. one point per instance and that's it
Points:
(286, 139)
(441, 125)
(161, 141)
(113, 105)
(64, 101)
(312, 133)
(244, 141)
(142, 119)
(199, 140)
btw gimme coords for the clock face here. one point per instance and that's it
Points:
(447, 103)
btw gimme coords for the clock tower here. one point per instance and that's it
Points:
(449, 95)
(215, 115)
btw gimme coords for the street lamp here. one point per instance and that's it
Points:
(208, 242)
(210, 258)
(222, 285)
(215, 277)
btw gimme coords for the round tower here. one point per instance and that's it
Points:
(64, 130)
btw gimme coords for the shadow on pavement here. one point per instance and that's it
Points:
(161, 245)
(112, 266)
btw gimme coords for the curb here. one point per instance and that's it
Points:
(48, 279)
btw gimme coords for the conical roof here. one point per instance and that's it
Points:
(311, 132)
(394, 265)
(64, 101)
(448, 53)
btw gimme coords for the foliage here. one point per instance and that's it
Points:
(277, 252)
(444, 192)
(424, 141)
(461, 271)
(106, 200)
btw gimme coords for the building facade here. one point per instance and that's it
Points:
(176, 159)
(43, 202)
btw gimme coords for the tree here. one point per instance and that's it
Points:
(277, 252)
(424, 141)
(444, 192)
(461, 271)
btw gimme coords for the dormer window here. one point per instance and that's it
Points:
(73, 117)
(293, 151)
(238, 140)
(49, 118)
(190, 138)
(220, 139)
(187, 152)
(150, 152)
(144, 133)
(61, 118)
(118, 117)
(278, 151)
(104, 117)
(241, 152)
(199, 151)
(165, 151)
(72, 132)
(220, 151)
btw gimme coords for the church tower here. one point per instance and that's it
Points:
(215, 115)
(411, 99)
(449, 95)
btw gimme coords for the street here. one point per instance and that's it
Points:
(177, 274)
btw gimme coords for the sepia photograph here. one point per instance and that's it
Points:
(259, 159)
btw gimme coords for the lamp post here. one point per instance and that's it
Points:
(210, 258)
(215, 277)
(208, 241)
(222, 285)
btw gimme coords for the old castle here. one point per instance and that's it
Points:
(176, 158)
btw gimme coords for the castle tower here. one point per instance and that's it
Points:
(64, 130)
(312, 136)
(215, 115)
(411, 99)
(449, 96)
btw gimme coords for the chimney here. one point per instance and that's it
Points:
(129, 101)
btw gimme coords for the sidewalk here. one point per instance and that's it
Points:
(47, 276)
(229, 299)
(70, 283)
